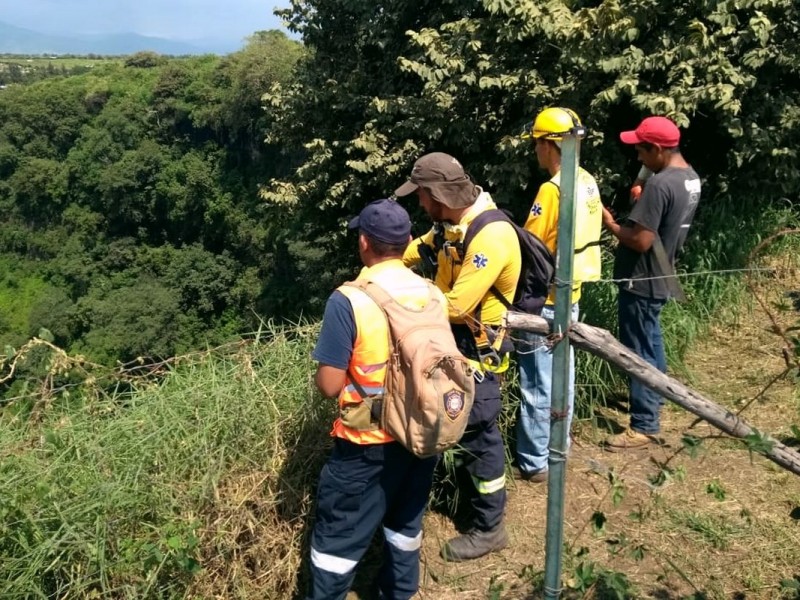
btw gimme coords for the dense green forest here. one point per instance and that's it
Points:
(155, 205)
(385, 85)
(131, 222)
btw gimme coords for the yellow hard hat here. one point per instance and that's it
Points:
(552, 124)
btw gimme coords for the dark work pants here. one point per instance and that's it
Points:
(361, 487)
(483, 454)
(640, 330)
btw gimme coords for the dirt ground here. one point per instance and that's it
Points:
(659, 522)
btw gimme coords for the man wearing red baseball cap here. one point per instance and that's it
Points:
(649, 240)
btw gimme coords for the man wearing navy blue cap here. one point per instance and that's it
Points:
(369, 479)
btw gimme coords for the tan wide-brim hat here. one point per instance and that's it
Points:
(444, 177)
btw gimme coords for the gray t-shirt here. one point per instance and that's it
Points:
(667, 207)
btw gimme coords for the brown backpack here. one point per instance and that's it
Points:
(429, 386)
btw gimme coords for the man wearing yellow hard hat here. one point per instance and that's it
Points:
(535, 358)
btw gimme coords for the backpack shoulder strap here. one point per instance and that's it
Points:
(383, 299)
(375, 292)
(438, 237)
(481, 221)
(478, 223)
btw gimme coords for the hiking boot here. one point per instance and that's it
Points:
(475, 543)
(529, 476)
(628, 440)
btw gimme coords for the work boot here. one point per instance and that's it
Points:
(475, 543)
(628, 440)
(529, 476)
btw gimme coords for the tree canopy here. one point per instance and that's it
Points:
(385, 83)
(131, 192)
(221, 186)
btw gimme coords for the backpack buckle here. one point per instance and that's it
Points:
(489, 357)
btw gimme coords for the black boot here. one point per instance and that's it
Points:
(475, 543)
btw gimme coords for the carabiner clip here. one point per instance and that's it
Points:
(489, 357)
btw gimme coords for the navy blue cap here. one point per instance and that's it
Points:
(385, 221)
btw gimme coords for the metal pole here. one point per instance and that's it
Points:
(570, 155)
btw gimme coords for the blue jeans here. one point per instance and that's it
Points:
(640, 330)
(535, 363)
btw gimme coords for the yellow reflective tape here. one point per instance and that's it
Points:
(489, 487)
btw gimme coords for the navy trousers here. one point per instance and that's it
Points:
(640, 330)
(483, 454)
(360, 488)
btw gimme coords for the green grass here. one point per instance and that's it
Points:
(20, 288)
(718, 531)
(179, 488)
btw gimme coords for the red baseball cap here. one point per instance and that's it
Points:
(653, 130)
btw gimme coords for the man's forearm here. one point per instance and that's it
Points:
(636, 238)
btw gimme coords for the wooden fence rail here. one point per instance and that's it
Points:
(601, 343)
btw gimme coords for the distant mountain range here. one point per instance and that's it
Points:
(16, 40)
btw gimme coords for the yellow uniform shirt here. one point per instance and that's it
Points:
(492, 259)
(543, 222)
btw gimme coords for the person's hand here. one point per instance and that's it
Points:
(608, 217)
(636, 193)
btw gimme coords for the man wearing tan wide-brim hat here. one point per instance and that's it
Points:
(467, 277)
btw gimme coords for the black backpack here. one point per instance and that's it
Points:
(538, 263)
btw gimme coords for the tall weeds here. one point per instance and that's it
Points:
(197, 487)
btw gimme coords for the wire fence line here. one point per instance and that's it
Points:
(143, 368)
(470, 319)
(685, 275)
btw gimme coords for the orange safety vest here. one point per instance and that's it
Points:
(371, 347)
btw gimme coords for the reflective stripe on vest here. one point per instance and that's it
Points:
(371, 390)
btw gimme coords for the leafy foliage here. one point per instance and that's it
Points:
(385, 84)
(131, 192)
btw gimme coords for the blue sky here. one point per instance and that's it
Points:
(174, 19)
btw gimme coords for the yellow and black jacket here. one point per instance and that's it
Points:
(492, 259)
